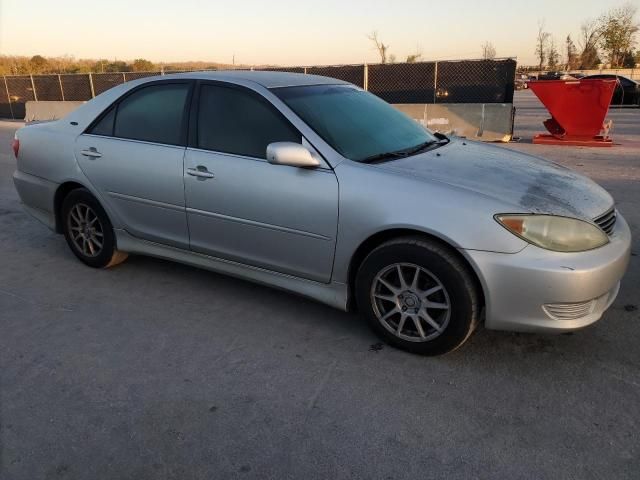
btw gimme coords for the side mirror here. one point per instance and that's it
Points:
(292, 154)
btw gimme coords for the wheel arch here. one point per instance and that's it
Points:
(378, 238)
(61, 193)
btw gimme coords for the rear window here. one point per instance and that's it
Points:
(152, 114)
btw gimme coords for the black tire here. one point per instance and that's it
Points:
(438, 265)
(106, 254)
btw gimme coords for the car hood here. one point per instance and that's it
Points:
(522, 181)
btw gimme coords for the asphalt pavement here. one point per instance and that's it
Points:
(157, 370)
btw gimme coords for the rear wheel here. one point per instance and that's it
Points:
(88, 230)
(418, 296)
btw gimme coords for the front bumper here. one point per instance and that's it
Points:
(537, 290)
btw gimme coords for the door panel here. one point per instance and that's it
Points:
(272, 216)
(142, 183)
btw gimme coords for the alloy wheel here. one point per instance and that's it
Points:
(410, 302)
(85, 230)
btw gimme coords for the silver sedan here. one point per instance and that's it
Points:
(315, 186)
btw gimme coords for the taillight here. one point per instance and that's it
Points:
(16, 146)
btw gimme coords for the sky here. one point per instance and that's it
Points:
(285, 32)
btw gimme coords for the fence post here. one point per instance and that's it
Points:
(365, 76)
(8, 97)
(33, 87)
(305, 70)
(61, 89)
(124, 77)
(435, 82)
(93, 92)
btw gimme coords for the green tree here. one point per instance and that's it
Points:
(38, 64)
(618, 28)
(100, 65)
(589, 37)
(573, 60)
(117, 66)
(553, 57)
(629, 59)
(142, 65)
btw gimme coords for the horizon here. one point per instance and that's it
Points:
(337, 34)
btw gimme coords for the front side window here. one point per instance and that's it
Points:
(356, 123)
(231, 120)
(152, 114)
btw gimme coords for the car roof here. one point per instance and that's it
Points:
(267, 79)
(609, 75)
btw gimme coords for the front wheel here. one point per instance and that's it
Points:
(418, 296)
(88, 230)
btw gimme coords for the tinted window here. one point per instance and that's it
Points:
(354, 122)
(153, 114)
(234, 121)
(625, 82)
(105, 125)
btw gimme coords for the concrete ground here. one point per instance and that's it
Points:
(158, 370)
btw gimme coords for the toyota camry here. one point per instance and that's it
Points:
(315, 186)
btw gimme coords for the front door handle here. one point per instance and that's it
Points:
(91, 153)
(201, 172)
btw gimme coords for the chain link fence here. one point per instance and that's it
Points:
(464, 81)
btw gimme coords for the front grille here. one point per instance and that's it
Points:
(607, 221)
(578, 310)
(569, 311)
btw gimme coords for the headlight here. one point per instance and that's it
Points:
(560, 234)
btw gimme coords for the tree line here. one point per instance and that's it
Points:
(38, 64)
(608, 39)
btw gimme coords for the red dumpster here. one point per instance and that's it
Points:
(578, 109)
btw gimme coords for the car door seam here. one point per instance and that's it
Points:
(146, 201)
(255, 223)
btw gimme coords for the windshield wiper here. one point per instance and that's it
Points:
(383, 156)
(442, 140)
(405, 152)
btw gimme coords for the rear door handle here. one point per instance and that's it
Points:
(200, 172)
(91, 153)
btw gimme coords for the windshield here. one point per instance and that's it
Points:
(356, 123)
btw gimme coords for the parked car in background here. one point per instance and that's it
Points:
(553, 76)
(577, 75)
(313, 185)
(521, 81)
(627, 91)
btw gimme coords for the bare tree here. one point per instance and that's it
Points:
(381, 47)
(541, 45)
(589, 37)
(414, 57)
(488, 51)
(618, 28)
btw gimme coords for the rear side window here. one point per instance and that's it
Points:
(235, 121)
(625, 82)
(105, 125)
(152, 114)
